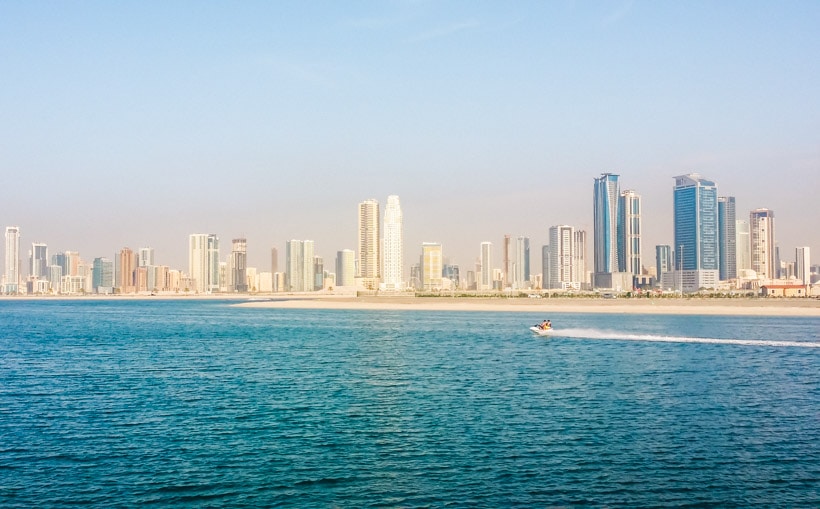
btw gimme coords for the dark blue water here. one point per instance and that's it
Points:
(188, 404)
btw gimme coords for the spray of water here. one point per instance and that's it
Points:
(620, 336)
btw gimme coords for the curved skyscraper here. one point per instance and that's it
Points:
(392, 275)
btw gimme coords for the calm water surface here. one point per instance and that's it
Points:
(188, 404)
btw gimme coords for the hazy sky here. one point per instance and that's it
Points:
(138, 123)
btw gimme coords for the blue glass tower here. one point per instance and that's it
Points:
(696, 232)
(605, 223)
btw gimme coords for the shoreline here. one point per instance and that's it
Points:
(736, 307)
(797, 307)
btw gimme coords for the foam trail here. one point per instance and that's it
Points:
(619, 336)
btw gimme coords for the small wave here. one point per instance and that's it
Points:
(619, 336)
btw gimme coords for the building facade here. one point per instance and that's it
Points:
(727, 238)
(762, 243)
(203, 262)
(696, 233)
(432, 265)
(239, 266)
(562, 257)
(485, 280)
(345, 268)
(629, 233)
(393, 277)
(369, 244)
(11, 268)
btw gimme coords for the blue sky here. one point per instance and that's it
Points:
(138, 123)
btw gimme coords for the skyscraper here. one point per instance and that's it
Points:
(485, 281)
(393, 245)
(580, 262)
(663, 265)
(727, 237)
(127, 265)
(11, 270)
(203, 262)
(431, 266)
(521, 266)
(546, 266)
(299, 276)
(742, 246)
(696, 232)
(102, 280)
(629, 233)
(506, 280)
(606, 200)
(345, 268)
(562, 258)
(369, 242)
(274, 260)
(762, 239)
(802, 265)
(239, 265)
(38, 266)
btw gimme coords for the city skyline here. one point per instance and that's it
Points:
(266, 122)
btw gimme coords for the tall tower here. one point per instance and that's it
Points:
(431, 265)
(299, 276)
(38, 266)
(743, 245)
(521, 267)
(485, 281)
(696, 232)
(605, 223)
(393, 245)
(369, 239)
(727, 237)
(761, 230)
(239, 265)
(663, 264)
(580, 262)
(629, 233)
(102, 275)
(802, 264)
(274, 260)
(12, 266)
(562, 256)
(127, 263)
(506, 269)
(203, 262)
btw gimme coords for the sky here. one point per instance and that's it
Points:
(138, 123)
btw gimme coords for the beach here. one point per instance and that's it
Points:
(675, 306)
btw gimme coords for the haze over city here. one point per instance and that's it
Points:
(139, 124)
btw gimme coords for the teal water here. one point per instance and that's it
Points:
(191, 404)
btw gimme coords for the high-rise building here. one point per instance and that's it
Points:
(103, 275)
(664, 265)
(485, 281)
(762, 239)
(38, 265)
(203, 262)
(274, 261)
(521, 266)
(580, 262)
(802, 264)
(506, 272)
(11, 270)
(369, 271)
(299, 276)
(629, 233)
(431, 266)
(127, 266)
(562, 257)
(696, 232)
(72, 262)
(545, 266)
(605, 224)
(727, 238)
(345, 268)
(239, 265)
(318, 273)
(393, 276)
(146, 257)
(743, 245)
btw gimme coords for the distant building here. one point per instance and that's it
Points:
(506, 272)
(393, 277)
(431, 266)
(146, 256)
(629, 233)
(521, 266)
(203, 262)
(38, 265)
(743, 260)
(299, 275)
(761, 229)
(663, 264)
(239, 265)
(11, 270)
(802, 264)
(580, 262)
(727, 238)
(127, 266)
(485, 281)
(696, 233)
(345, 268)
(606, 196)
(563, 273)
(274, 261)
(103, 275)
(369, 269)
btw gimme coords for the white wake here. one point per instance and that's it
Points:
(620, 336)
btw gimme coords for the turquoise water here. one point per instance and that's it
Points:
(189, 404)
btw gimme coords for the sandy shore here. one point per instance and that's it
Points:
(766, 307)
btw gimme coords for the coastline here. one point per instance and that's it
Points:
(737, 307)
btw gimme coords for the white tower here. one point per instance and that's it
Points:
(12, 265)
(393, 245)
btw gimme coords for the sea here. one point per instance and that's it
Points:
(199, 403)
